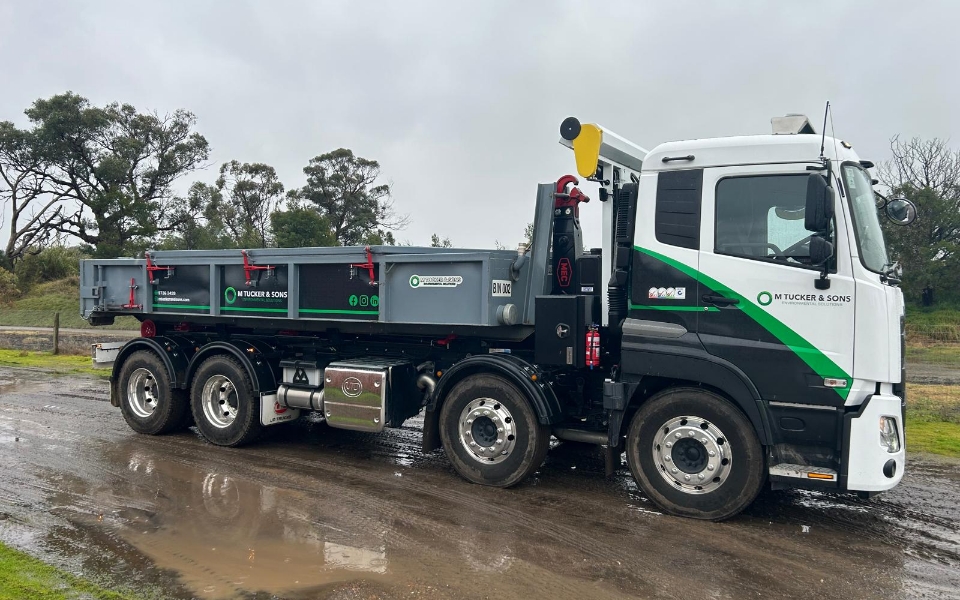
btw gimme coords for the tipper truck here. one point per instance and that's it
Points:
(741, 326)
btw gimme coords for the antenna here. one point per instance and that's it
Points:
(823, 137)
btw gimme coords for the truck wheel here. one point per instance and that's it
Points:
(695, 455)
(148, 400)
(490, 432)
(225, 407)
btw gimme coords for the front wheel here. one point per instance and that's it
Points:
(695, 455)
(491, 433)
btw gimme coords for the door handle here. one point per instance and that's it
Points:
(720, 300)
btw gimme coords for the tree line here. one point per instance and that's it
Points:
(105, 177)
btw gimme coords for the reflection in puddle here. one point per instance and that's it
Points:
(225, 534)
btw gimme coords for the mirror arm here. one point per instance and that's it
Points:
(823, 282)
(886, 200)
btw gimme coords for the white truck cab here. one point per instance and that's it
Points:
(735, 287)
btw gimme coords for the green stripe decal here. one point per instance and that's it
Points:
(822, 364)
(325, 311)
(179, 306)
(264, 310)
(677, 308)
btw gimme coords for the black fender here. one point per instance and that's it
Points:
(251, 354)
(525, 376)
(699, 367)
(174, 358)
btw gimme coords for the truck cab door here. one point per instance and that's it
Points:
(761, 310)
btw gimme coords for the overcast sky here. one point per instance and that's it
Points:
(460, 102)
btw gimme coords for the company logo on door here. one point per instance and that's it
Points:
(669, 293)
(766, 298)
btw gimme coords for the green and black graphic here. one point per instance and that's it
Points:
(747, 335)
(186, 290)
(268, 297)
(328, 291)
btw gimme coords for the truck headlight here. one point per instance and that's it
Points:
(889, 435)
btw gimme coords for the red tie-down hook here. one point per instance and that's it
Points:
(572, 198)
(249, 269)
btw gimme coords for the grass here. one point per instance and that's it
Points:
(933, 325)
(933, 419)
(22, 576)
(936, 353)
(37, 307)
(62, 364)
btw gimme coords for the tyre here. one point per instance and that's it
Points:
(149, 401)
(225, 407)
(695, 455)
(491, 433)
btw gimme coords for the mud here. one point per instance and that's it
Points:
(314, 512)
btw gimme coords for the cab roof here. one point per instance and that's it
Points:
(745, 150)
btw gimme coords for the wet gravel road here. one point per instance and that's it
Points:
(313, 512)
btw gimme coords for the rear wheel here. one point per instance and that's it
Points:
(491, 433)
(225, 407)
(695, 455)
(148, 400)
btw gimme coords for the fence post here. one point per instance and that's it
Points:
(56, 333)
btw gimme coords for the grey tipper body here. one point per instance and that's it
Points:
(413, 285)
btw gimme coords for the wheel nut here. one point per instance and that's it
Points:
(469, 421)
(673, 470)
(686, 477)
(700, 476)
(677, 434)
(712, 453)
(693, 433)
(709, 467)
(474, 444)
(669, 444)
(500, 430)
(666, 458)
(499, 442)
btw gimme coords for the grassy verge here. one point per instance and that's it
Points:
(938, 353)
(22, 576)
(37, 307)
(933, 325)
(933, 419)
(63, 364)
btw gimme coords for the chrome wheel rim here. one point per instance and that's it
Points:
(220, 401)
(487, 431)
(142, 393)
(692, 455)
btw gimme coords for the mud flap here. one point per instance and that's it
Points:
(431, 431)
(272, 413)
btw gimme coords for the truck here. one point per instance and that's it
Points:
(740, 327)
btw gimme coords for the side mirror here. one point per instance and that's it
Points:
(820, 250)
(819, 207)
(901, 211)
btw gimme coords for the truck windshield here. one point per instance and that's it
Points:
(866, 223)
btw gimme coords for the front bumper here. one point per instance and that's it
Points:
(867, 464)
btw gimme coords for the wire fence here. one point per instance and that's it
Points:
(933, 332)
